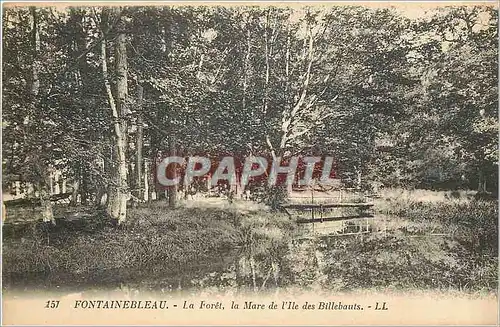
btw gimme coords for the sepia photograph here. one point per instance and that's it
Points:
(263, 163)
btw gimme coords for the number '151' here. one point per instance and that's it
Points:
(52, 304)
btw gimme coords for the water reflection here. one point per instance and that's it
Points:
(298, 263)
(263, 264)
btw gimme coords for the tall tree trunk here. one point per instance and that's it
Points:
(148, 190)
(139, 142)
(118, 191)
(74, 194)
(267, 55)
(172, 190)
(43, 171)
(4, 212)
(84, 189)
(246, 66)
(83, 82)
(35, 43)
(47, 212)
(98, 196)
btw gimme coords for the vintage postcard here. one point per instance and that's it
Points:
(259, 163)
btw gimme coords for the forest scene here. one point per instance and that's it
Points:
(406, 101)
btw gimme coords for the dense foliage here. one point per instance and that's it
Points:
(400, 101)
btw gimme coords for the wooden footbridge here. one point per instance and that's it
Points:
(321, 212)
(342, 212)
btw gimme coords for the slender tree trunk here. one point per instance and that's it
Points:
(74, 194)
(172, 190)
(139, 143)
(118, 191)
(267, 55)
(148, 191)
(84, 189)
(44, 184)
(98, 197)
(4, 212)
(161, 193)
(47, 212)
(166, 45)
(254, 277)
(81, 77)
(246, 66)
(35, 40)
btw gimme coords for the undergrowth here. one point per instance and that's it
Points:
(154, 240)
(473, 223)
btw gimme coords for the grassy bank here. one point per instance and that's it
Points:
(154, 241)
(472, 223)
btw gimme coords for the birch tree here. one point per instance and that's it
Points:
(118, 193)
